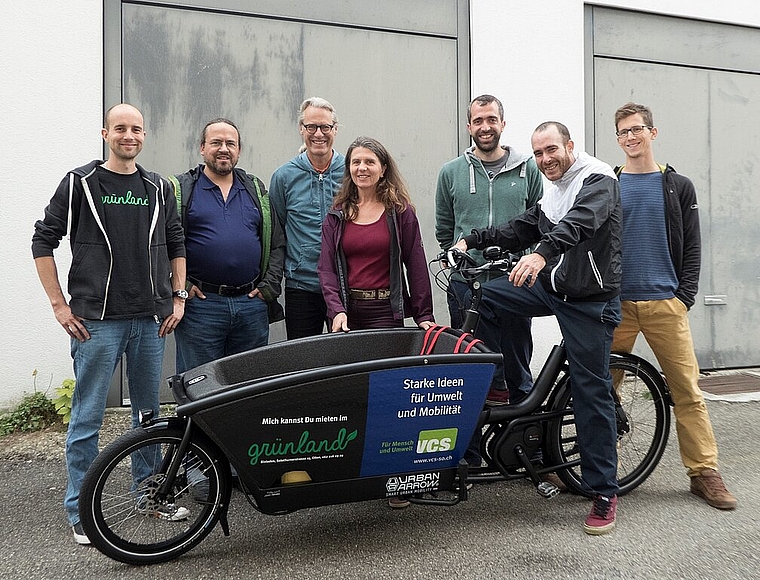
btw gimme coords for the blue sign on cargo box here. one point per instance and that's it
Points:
(422, 418)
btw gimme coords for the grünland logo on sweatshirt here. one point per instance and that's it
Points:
(127, 199)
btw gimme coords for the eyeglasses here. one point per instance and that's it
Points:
(635, 130)
(216, 144)
(311, 129)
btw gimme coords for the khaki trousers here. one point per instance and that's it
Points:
(665, 326)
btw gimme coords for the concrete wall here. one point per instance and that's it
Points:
(529, 53)
(51, 105)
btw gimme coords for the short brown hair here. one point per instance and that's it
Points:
(484, 100)
(631, 109)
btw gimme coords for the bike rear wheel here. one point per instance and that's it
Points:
(121, 512)
(645, 399)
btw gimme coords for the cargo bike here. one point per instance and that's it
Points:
(341, 418)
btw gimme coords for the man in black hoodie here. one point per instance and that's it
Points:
(126, 287)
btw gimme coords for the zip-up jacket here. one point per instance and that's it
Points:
(582, 250)
(270, 233)
(465, 195)
(682, 226)
(406, 249)
(301, 198)
(72, 212)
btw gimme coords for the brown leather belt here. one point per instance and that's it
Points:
(380, 294)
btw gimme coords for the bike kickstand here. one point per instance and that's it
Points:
(545, 489)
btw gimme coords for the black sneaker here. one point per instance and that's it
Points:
(79, 536)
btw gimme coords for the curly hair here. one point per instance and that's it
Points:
(391, 189)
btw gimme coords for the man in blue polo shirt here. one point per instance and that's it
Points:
(235, 253)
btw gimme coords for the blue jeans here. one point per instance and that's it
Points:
(515, 343)
(219, 326)
(94, 363)
(305, 313)
(587, 329)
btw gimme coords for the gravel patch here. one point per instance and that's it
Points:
(49, 444)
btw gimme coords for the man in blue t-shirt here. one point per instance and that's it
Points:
(661, 262)
(235, 253)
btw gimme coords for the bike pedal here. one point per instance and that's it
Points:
(547, 490)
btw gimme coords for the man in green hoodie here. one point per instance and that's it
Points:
(301, 192)
(488, 184)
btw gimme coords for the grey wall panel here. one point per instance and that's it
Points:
(437, 17)
(656, 38)
(396, 70)
(183, 68)
(732, 244)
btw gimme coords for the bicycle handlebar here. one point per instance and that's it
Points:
(496, 260)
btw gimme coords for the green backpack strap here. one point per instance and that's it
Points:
(177, 194)
(266, 225)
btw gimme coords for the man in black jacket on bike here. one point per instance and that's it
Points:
(577, 232)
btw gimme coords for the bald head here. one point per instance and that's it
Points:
(124, 133)
(119, 110)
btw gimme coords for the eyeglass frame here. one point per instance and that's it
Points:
(311, 128)
(217, 144)
(635, 130)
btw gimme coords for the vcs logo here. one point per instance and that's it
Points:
(436, 440)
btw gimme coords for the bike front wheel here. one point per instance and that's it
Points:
(122, 512)
(641, 437)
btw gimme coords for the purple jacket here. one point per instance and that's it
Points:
(406, 251)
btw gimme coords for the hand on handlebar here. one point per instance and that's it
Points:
(461, 245)
(456, 256)
(527, 269)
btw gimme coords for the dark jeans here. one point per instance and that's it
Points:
(515, 342)
(305, 313)
(587, 329)
(371, 314)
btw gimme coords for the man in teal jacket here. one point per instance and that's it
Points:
(488, 184)
(302, 192)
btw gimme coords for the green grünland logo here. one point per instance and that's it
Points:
(304, 446)
(437, 440)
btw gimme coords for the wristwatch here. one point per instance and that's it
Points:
(180, 294)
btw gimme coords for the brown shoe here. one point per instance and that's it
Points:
(709, 486)
(554, 479)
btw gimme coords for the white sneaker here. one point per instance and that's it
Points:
(167, 512)
(79, 536)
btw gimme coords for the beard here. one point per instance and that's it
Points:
(224, 167)
(487, 147)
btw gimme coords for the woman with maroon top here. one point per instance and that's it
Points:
(369, 237)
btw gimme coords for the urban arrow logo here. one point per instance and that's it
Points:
(436, 440)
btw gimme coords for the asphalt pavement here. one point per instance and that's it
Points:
(506, 529)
